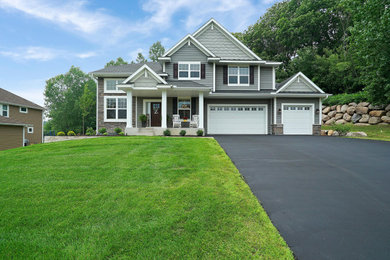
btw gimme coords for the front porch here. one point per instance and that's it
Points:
(158, 131)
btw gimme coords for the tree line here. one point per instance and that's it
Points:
(342, 45)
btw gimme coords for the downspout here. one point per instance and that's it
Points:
(97, 102)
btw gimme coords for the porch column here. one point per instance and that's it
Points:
(201, 112)
(129, 108)
(164, 109)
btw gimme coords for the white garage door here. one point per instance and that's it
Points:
(237, 119)
(298, 119)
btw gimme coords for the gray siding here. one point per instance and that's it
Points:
(279, 102)
(265, 78)
(220, 86)
(301, 86)
(240, 101)
(190, 53)
(145, 81)
(221, 45)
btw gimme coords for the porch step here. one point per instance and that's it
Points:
(145, 131)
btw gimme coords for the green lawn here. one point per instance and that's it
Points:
(130, 197)
(375, 132)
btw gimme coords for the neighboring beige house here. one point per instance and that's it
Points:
(20, 121)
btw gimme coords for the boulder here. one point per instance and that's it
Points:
(355, 118)
(324, 132)
(351, 110)
(383, 123)
(386, 119)
(322, 107)
(340, 122)
(333, 107)
(387, 108)
(338, 116)
(330, 121)
(377, 107)
(364, 118)
(353, 104)
(330, 132)
(338, 108)
(362, 124)
(374, 120)
(361, 110)
(377, 113)
(344, 108)
(388, 113)
(332, 113)
(326, 110)
(356, 134)
(363, 104)
(325, 118)
(335, 133)
(347, 117)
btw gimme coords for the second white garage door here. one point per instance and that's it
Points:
(237, 119)
(298, 119)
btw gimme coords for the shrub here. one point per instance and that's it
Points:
(342, 129)
(341, 99)
(105, 134)
(143, 118)
(117, 130)
(90, 131)
(61, 133)
(199, 132)
(167, 133)
(70, 133)
(183, 132)
(103, 130)
(121, 133)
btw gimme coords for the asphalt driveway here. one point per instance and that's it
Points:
(329, 197)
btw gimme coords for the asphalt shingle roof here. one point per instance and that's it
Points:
(129, 68)
(9, 98)
(281, 84)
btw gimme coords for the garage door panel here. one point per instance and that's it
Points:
(298, 119)
(237, 119)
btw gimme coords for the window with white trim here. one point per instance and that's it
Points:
(30, 130)
(189, 70)
(115, 109)
(4, 110)
(238, 76)
(110, 85)
(23, 110)
(184, 108)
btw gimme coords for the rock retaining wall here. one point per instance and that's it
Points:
(359, 114)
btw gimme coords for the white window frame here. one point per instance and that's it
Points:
(30, 130)
(1, 110)
(190, 109)
(238, 76)
(24, 112)
(189, 70)
(118, 80)
(116, 110)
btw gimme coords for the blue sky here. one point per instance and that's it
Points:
(42, 38)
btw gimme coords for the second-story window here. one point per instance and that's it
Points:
(4, 110)
(238, 75)
(189, 70)
(110, 85)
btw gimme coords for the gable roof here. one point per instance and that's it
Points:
(9, 98)
(282, 86)
(231, 37)
(183, 41)
(139, 72)
(128, 69)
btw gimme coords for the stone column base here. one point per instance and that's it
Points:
(316, 129)
(277, 129)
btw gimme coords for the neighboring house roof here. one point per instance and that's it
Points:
(185, 40)
(128, 69)
(284, 85)
(9, 98)
(10, 121)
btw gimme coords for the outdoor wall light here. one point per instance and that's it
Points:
(279, 110)
(317, 111)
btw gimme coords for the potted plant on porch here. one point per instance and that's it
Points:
(143, 118)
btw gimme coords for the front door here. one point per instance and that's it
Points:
(156, 114)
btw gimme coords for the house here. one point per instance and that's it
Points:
(212, 80)
(20, 121)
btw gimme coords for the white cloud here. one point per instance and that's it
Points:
(86, 55)
(133, 55)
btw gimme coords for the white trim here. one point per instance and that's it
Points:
(275, 111)
(1, 109)
(235, 40)
(148, 101)
(297, 104)
(190, 109)
(164, 105)
(119, 80)
(163, 67)
(201, 110)
(153, 74)
(304, 77)
(116, 113)
(238, 76)
(244, 105)
(320, 111)
(136, 111)
(214, 71)
(258, 77)
(168, 59)
(24, 135)
(243, 61)
(273, 78)
(30, 128)
(189, 70)
(24, 112)
(129, 109)
(197, 44)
